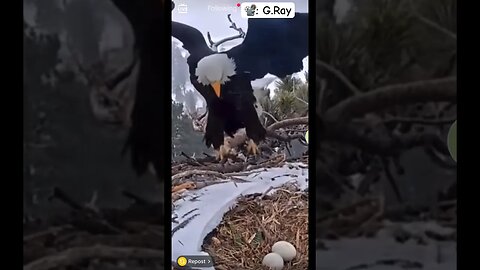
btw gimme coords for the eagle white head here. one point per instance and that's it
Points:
(215, 70)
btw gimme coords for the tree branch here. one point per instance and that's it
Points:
(288, 122)
(209, 37)
(241, 34)
(272, 134)
(436, 26)
(271, 116)
(234, 26)
(431, 23)
(384, 97)
(380, 145)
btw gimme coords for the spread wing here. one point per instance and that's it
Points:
(275, 46)
(193, 41)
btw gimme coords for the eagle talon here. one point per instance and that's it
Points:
(222, 153)
(252, 148)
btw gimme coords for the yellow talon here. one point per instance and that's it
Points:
(252, 148)
(222, 153)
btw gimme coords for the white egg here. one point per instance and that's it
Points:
(273, 261)
(284, 249)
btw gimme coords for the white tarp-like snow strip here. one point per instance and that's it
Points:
(204, 209)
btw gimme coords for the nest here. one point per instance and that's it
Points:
(249, 230)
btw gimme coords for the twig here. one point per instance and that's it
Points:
(196, 172)
(301, 100)
(183, 223)
(63, 197)
(209, 37)
(322, 65)
(288, 122)
(207, 155)
(436, 26)
(135, 198)
(269, 114)
(244, 173)
(218, 43)
(75, 255)
(265, 193)
(184, 186)
(92, 204)
(192, 160)
(234, 26)
(432, 24)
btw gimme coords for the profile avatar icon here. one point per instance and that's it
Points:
(251, 10)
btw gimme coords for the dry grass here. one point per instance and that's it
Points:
(249, 230)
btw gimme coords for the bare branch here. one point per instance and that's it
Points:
(63, 197)
(381, 145)
(241, 34)
(137, 199)
(218, 43)
(384, 97)
(188, 173)
(210, 39)
(272, 134)
(271, 116)
(436, 26)
(324, 66)
(234, 26)
(301, 100)
(288, 122)
(431, 23)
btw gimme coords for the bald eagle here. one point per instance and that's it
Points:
(275, 46)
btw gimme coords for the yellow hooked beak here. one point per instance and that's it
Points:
(216, 88)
